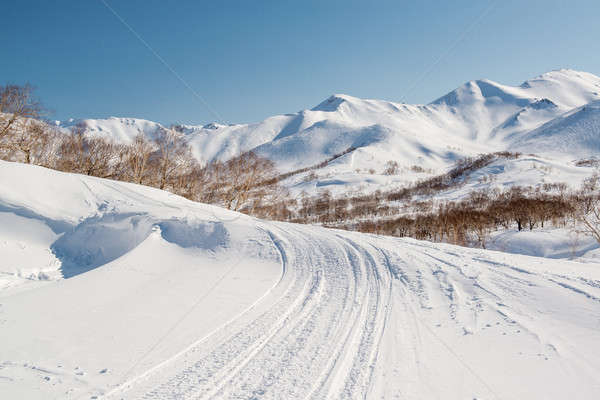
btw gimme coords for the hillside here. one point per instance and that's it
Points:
(169, 298)
(481, 116)
(576, 132)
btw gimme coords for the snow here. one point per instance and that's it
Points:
(575, 132)
(166, 298)
(25, 248)
(550, 243)
(525, 171)
(115, 290)
(120, 130)
(552, 115)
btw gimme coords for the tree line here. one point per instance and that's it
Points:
(411, 211)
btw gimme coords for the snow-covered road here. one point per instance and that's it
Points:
(317, 333)
(363, 317)
(187, 301)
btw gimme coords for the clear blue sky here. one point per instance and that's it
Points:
(252, 59)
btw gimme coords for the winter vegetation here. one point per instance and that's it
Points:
(163, 157)
(164, 161)
(338, 252)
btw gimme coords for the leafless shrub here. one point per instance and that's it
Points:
(322, 164)
(590, 162)
(312, 176)
(391, 168)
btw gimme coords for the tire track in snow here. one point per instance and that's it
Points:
(209, 369)
(210, 340)
(360, 374)
(294, 359)
(336, 291)
(320, 334)
(334, 376)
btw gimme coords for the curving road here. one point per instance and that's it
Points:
(358, 316)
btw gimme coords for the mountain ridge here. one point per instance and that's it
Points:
(479, 116)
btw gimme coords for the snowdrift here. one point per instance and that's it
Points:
(165, 298)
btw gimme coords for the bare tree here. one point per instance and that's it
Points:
(89, 155)
(249, 177)
(588, 208)
(16, 103)
(137, 157)
(172, 157)
(30, 141)
(590, 220)
(191, 183)
(72, 150)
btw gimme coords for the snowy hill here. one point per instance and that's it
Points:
(481, 116)
(576, 132)
(463, 122)
(166, 298)
(487, 106)
(121, 130)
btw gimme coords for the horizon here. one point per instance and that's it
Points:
(324, 100)
(261, 64)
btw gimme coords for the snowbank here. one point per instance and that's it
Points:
(166, 298)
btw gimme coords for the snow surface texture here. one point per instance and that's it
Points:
(481, 116)
(173, 299)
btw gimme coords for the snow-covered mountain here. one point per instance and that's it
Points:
(479, 117)
(576, 133)
(167, 298)
(114, 290)
(121, 130)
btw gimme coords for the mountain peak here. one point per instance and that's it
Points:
(563, 75)
(482, 90)
(333, 102)
(567, 87)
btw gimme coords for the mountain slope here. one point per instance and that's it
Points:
(172, 299)
(487, 106)
(475, 116)
(481, 116)
(121, 130)
(575, 132)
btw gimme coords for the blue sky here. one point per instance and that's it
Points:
(252, 59)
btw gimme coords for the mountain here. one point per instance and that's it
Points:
(166, 298)
(576, 132)
(487, 106)
(121, 130)
(480, 116)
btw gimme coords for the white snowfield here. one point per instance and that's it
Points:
(169, 299)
